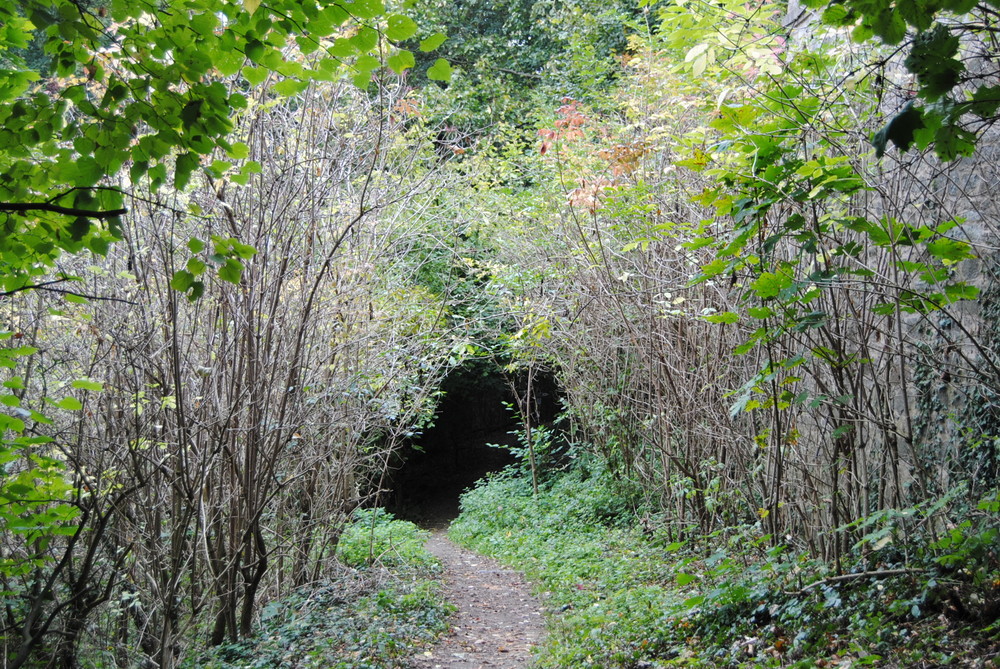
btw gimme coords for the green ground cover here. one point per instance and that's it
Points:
(383, 605)
(621, 592)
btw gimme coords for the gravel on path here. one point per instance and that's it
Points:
(498, 620)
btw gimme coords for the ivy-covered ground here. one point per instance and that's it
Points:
(622, 591)
(383, 607)
(625, 592)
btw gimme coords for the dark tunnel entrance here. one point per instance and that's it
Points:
(454, 453)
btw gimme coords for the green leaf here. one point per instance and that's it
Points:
(182, 280)
(842, 431)
(889, 25)
(950, 251)
(367, 63)
(900, 130)
(699, 65)
(696, 51)
(770, 284)
(238, 151)
(19, 490)
(932, 60)
(251, 6)
(88, 384)
(185, 166)
(362, 79)
(432, 42)
(244, 251)
(195, 267)
(254, 50)
(400, 28)
(985, 101)
(255, 76)
(837, 15)
(341, 48)
(364, 9)
(402, 60)
(440, 70)
(191, 112)
(365, 39)
(231, 271)
(15, 425)
(204, 23)
(760, 312)
(289, 87)
(916, 13)
(959, 6)
(685, 579)
(714, 268)
(952, 141)
(961, 291)
(70, 404)
(724, 317)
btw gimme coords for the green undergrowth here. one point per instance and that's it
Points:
(382, 605)
(621, 594)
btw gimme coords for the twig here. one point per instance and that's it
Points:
(47, 286)
(881, 573)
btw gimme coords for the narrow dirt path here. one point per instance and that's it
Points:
(498, 620)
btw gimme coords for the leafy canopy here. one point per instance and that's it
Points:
(135, 90)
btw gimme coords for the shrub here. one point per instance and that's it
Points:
(376, 612)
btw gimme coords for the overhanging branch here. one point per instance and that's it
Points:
(47, 286)
(21, 207)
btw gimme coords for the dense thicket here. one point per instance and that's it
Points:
(772, 328)
(207, 452)
(743, 244)
(750, 314)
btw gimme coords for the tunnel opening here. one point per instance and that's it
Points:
(473, 423)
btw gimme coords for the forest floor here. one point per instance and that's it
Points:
(498, 619)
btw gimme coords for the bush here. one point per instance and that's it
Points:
(376, 537)
(370, 616)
